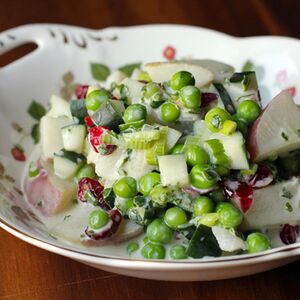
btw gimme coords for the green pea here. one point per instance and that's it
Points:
(215, 118)
(229, 216)
(159, 196)
(177, 149)
(178, 252)
(191, 97)
(170, 112)
(249, 111)
(153, 251)
(175, 217)
(125, 187)
(221, 205)
(203, 177)
(132, 247)
(147, 182)
(196, 155)
(181, 79)
(96, 98)
(134, 113)
(98, 219)
(203, 205)
(86, 171)
(217, 195)
(222, 170)
(159, 232)
(151, 89)
(257, 242)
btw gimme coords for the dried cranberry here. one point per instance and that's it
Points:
(263, 177)
(95, 188)
(81, 91)
(240, 193)
(18, 153)
(109, 229)
(289, 233)
(208, 98)
(95, 134)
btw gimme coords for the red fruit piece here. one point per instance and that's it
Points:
(289, 233)
(109, 229)
(89, 121)
(81, 91)
(169, 52)
(95, 134)
(263, 177)
(240, 193)
(18, 153)
(90, 188)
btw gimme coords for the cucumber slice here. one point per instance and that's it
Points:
(173, 170)
(109, 114)
(73, 137)
(203, 243)
(51, 138)
(234, 146)
(59, 108)
(67, 163)
(78, 109)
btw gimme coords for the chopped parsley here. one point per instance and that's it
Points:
(66, 217)
(286, 193)
(288, 207)
(40, 204)
(284, 136)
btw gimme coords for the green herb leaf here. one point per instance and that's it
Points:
(35, 133)
(66, 217)
(284, 136)
(288, 207)
(248, 66)
(128, 69)
(298, 131)
(99, 71)
(286, 193)
(36, 110)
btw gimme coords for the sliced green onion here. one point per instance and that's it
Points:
(209, 219)
(139, 140)
(216, 152)
(191, 140)
(136, 124)
(228, 127)
(33, 170)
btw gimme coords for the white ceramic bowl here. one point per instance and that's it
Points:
(63, 59)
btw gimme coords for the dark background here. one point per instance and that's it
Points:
(27, 272)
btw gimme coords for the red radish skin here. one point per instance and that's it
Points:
(265, 137)
(262, 178)
(42, 194)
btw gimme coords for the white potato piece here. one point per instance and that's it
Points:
(59, 108)
(51, 138)
(173, 170)
(163, 71)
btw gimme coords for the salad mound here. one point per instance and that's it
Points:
(181, 151)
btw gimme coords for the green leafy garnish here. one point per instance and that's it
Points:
(99, 71)
(286, 193)
(66, 217)
(36, 110)
(128, 69)
(288, 207)
(284, 136)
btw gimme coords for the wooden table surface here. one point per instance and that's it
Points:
(27, 272)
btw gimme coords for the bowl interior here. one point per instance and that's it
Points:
(63, 59)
